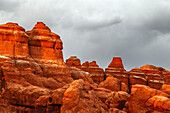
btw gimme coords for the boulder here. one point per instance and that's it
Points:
(117, 100)
(166, 88)
(78, 99)
(141, 97)
(113, 84)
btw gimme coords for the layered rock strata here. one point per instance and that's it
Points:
(31, 66)
(73, 61)
(96, 73)
(117, 70)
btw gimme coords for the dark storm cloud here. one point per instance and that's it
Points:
(160, 21)
(138, 31)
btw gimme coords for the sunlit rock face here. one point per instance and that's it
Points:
(136, 76)
(156, 76)
(31, 66)
(44, 45)
(113, 84)
(96, 73)
(144, 99)
(117, 70)
(45, 48)
(13, 41)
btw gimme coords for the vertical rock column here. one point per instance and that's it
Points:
(45, 48)
(13, 41)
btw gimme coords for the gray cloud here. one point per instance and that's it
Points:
(138, 31)
(10, 5)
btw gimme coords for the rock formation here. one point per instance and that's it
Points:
(117, 70)
(31, 64)
(96, 73)
(73, 61)
(35, 79)
(144, 99)
(113, 84)
(155, 75)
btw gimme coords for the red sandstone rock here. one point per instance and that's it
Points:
(117, 70)
(46, 48)
(166, 88)
(96, 73)
(117, 99)
(155, 75)
(79, 74)
(73, 61)
(136, 76)
(158, 103)
(101, 93)
(78, 99)
(114, 110)
(116, 63)
(29, 71)
(140, 95)
(13, 41)
(112, 84)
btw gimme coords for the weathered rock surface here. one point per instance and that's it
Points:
(79, 74)
(73, 61)
(166, 88)
(77, 99)
(136, 76)
(46, 49)
(144, 99)
(31, 65)
(117, 70)
(113, 84)
(96, 73)
(155, 75)
(13, 41)
(117, 100)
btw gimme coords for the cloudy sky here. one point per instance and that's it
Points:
(136, 30)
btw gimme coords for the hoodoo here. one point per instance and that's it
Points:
(117, 70)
